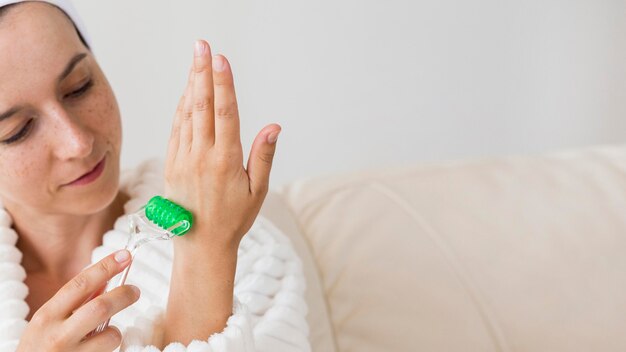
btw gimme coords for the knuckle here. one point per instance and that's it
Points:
(224, 159)
(99, 307)
(41, 317)
(221, 175)
(226, 111)
(223, 164)
(106, 268)
(200, 68)
(187, 115)
(266, 157)
(223, 81)
(79, 283)
(203, 104)
(58, 340)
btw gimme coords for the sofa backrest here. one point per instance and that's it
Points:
(520, 253)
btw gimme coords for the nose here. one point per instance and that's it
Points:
(72, 138)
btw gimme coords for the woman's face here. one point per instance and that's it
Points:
(58, 116)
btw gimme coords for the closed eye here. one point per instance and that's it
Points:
(28, 126)
(80, 91)
(23, 132)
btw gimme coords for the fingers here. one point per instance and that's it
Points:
(174, 140)
(203, 98)
(186, 123)
(261, 158)
(227, 135)
(101, 308)
(76, 291)
(209, 109)
(107, 340)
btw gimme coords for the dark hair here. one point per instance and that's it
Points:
(4, 9)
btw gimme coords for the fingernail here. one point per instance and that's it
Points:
(135, 290)
(122, 256)
(200, 48)
(218, 63)
(272, 137)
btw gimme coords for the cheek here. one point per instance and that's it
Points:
(23, 172)
(105, 115)
(21, 164)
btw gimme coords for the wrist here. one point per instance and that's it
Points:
(201, 292)
(203, 245)
(191, 255)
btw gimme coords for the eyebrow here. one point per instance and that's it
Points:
(70, 66)
(66, 72)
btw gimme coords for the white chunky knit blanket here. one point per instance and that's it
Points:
(269, 309)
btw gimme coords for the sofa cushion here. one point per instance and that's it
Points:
(505, 254)
(320, 328)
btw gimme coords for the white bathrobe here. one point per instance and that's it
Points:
(269, 309)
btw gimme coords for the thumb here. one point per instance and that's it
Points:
(261, 157)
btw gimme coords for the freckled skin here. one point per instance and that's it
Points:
(69, 135)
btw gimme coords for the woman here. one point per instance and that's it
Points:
(60, 139)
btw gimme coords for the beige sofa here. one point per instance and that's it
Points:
(524, 253)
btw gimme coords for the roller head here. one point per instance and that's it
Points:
(166, 214)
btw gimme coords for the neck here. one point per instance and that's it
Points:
(60, 245)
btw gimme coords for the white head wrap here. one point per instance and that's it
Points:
(67, 7)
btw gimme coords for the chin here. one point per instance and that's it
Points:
(100, 194)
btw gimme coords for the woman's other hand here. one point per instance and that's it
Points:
(204, 169)
(64, 322)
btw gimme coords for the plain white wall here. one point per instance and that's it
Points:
(364, 84)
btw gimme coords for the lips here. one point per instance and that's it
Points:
(88, 172)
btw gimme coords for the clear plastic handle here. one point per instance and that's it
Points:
(141, 231)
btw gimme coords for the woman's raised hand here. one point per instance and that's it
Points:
(204, 168)
(64, 322)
